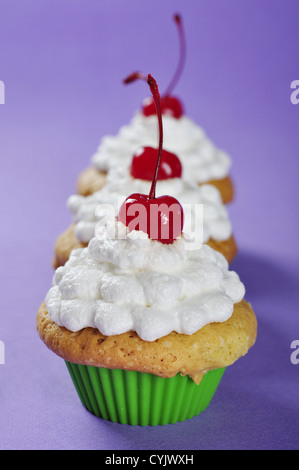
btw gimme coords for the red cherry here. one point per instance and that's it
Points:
(143, 165)
(161, 218)
(170, 106)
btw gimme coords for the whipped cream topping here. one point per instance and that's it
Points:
(129, 282)
(87, 211)
(200, 159)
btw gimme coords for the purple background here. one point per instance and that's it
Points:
(62, 63)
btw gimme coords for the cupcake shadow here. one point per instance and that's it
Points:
(264, 277)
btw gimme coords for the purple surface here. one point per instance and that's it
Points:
(62, 63)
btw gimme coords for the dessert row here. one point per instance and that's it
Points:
(143, 306)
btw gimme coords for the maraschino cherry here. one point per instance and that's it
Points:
(143, 165)
(170, 105)
(161, 217)
(144, 160)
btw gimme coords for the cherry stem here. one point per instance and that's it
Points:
(134, 76)
(156, 96)
(182, 57)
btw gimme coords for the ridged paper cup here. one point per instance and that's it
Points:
(136, 398)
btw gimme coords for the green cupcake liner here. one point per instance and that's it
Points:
(136, 398)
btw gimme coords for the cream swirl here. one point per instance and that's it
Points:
(201, 160)
(130, 282)
(87, 211)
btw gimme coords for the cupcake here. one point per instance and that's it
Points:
(202, 161)
(146, 323)
(87, 211)
(146, 329)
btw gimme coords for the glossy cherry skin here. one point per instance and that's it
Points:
(144, 161)
(161, 218)
(170, 105)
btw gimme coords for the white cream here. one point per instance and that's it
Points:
(120, 184)
(133, 283)
(200, 159)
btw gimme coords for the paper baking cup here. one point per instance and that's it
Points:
(136, 398)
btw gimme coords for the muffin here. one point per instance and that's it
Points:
(217, 228)
(202, 161)
(146, 329)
